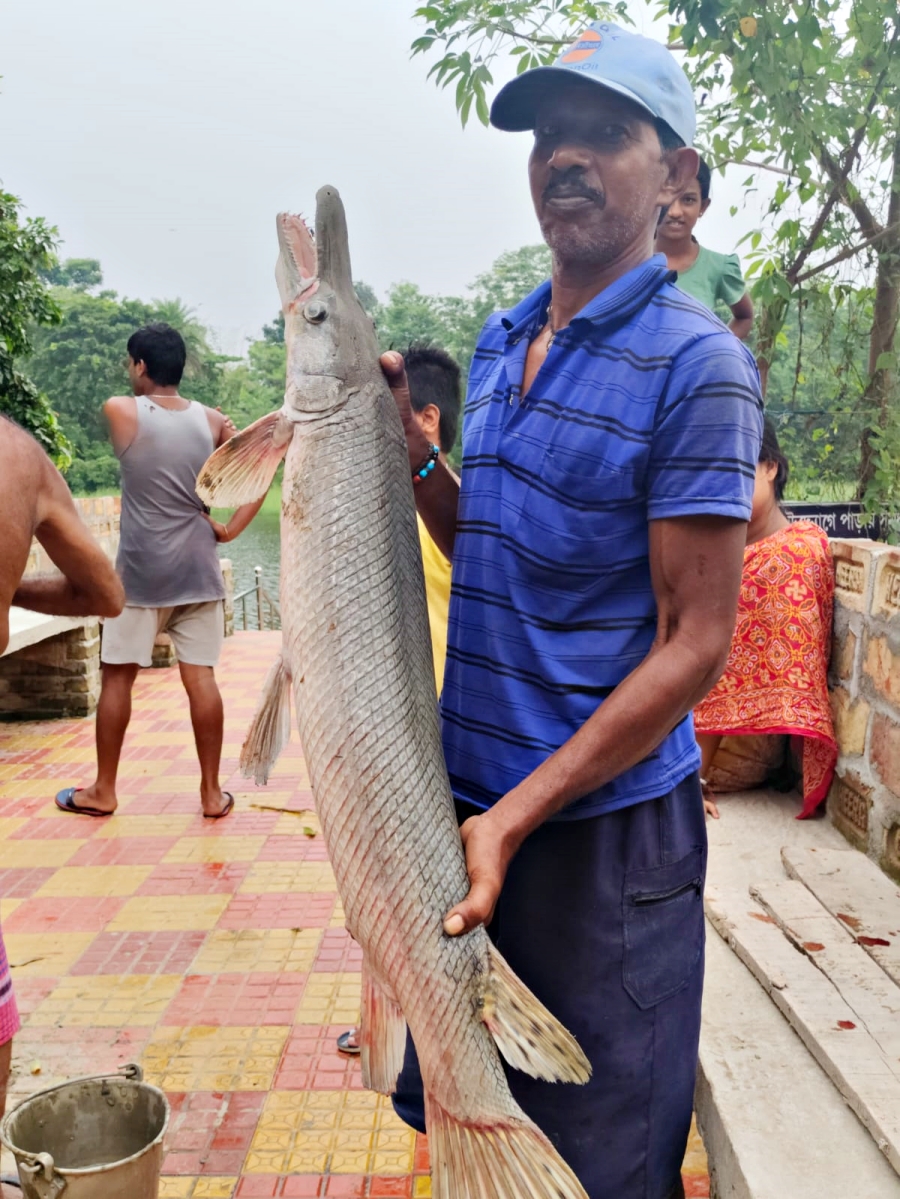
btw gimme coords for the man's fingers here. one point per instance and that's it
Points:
(395, 373)
(477, 908)
(392, 364)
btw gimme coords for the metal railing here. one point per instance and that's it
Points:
(263, 607)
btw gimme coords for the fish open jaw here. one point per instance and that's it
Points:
(296, 270)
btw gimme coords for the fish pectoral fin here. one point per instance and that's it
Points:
(271, 726)
(507, 1159)
(528, 1036)
(241, 470)
(382, 1036)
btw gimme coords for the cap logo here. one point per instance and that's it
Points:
(588, 43)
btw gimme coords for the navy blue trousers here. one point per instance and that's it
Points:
(603, 919)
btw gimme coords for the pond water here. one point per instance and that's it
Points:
(258, 545)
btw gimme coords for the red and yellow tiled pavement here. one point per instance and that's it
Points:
(213, 953)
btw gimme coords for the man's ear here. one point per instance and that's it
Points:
(141, 368)
(683, 165)
(704, 204)
(430, 422)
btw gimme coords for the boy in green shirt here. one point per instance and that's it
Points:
(709, 277)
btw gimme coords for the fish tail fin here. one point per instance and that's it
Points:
(382, 1037)
(528, 1036)
(241, 470)
(271, 727)
(506, 1160)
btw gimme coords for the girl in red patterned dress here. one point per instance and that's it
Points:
(771, 703)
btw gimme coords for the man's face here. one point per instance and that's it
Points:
(134, 371)
(597, 173)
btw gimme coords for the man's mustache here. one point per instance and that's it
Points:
(567, 185)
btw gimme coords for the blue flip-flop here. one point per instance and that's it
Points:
(65, 801)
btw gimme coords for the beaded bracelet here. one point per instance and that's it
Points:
(420, 475)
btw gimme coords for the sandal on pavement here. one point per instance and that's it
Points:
(344, 1042)
(65, 801)
(221, 815)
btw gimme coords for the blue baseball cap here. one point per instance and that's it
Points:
(636, 67)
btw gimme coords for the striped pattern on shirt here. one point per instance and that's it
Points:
(646, 408)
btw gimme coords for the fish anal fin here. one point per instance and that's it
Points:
(529, 1037)
(241, 470)
(382, 1036)
(271, 726)
(499, 1161)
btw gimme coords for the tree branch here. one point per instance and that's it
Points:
(848, 253)
(746, 162)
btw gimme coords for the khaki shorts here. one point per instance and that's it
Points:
(197, 632)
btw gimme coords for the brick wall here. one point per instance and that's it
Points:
(59, 676)
(101, 515)
(864, 802)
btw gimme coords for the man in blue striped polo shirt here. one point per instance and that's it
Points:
(609, 450)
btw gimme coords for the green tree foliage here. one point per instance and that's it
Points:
(814, 385)
(26, 251)
(81, 274)
(472, 34)
(454, 322)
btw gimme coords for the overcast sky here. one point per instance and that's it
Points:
(163, 137)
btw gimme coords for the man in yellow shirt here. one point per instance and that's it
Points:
(435, 397)
(434, 393)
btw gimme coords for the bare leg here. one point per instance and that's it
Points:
(113, 715)
(5, 1064)
(207, 718)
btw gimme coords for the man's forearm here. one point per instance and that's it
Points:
(437, 496)
(241, 517)
(437, 499)
(627, 727)
(58, 596)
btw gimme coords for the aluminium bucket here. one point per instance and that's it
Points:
(94, 1138)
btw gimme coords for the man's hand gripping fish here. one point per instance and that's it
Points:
(357, 651)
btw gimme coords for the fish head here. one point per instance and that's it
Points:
(328, 334)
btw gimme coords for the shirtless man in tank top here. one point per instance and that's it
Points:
(168, 563)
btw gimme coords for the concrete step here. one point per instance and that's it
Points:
(774, 1125)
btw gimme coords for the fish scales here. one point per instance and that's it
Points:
(357, 653)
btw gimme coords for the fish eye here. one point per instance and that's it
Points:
(315, 312)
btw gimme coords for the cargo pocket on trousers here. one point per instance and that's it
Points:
(663, 928)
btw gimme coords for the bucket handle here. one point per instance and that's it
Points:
(40, 1166)
(44, 1178)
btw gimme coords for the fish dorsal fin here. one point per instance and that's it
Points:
(382, 1036)
(241, 470)
(528, 1036)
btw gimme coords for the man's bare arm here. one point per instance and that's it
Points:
(121, 417)
(696, 571)
(437, 498)
(88, 585)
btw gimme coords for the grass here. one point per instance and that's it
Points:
(271, 505)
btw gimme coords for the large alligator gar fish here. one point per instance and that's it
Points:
(356, 649)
